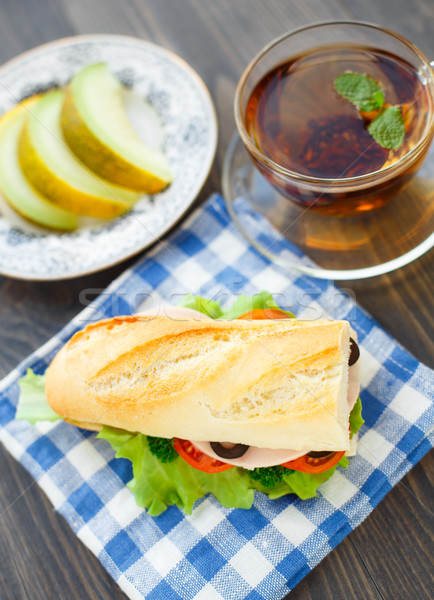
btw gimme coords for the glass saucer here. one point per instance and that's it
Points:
(341, 248)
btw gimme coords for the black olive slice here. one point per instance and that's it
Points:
(354, 352)
(319, 454)
(236, 451)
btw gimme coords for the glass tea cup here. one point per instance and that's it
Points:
(314, 146)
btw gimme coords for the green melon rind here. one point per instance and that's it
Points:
(96, 127)
(15, 188)
(55, 172)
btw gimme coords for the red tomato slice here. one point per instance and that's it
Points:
(309, 464)
(264, 313)
(198, 459)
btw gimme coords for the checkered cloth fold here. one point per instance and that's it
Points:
(217, 553)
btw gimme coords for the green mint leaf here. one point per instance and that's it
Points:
(361, 90)
(388, 128)
(378, 98)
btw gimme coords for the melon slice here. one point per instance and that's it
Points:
(51, 167)
(97, 129)
(14, 187)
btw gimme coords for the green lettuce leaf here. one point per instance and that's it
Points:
(244, 304)
(157, 485)
(207, 307)
(356, 419)
(304, 485)
(32, 404)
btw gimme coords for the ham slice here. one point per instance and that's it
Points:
(254, 457)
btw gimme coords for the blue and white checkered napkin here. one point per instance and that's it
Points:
(217, 553)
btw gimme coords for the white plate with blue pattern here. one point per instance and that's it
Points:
(157, 78)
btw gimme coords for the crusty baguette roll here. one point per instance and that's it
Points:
(272, 384)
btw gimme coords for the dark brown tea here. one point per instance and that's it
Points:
(296, 118)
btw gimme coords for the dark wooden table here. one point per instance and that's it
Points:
(390, 554)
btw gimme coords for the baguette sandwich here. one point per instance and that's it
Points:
(228, 406)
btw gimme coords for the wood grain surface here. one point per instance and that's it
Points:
(390, 555)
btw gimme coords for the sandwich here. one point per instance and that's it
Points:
(207, 402)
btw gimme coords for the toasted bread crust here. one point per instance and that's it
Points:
(273, 384)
